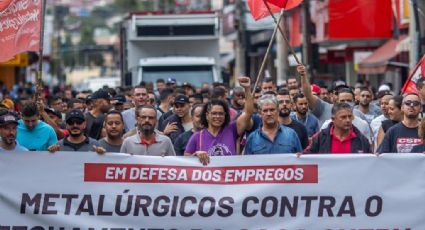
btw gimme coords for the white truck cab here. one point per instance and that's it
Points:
(195, 70)
(180, 46)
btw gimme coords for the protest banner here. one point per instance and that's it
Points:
(69, 190)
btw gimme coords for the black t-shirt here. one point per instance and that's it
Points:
(301, 132)
(418, 149)
(94, 125)
(399, 139)
(387, 124)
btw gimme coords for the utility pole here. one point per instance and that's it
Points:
(241, 38)
(306, 30)
(415, 33)
(56, 43)
(282, 64)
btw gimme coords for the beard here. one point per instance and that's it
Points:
(147, 129)
(284, 113)
(411, 116)
(9, 140)
(75, 134)
(302, 112)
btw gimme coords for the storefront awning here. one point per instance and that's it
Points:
(379, 61)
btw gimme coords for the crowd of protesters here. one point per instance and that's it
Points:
(215, 120)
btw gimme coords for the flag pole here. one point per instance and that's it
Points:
(267, 51)
(39, 81)
(282, 32)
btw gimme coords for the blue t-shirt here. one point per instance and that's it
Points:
(38, 139)
(285, 141)
(18, 148)
(310, 122)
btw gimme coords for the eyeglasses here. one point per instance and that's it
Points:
(412, 103)
(217, 114)
(73, 122)
(284, 101)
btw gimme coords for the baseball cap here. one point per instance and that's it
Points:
(74, 114)
(8, 103)
(8, 118)
(101, 94)
(338, 85)
(88, 98)
(315, 88)
(120, 99)
(54, 112)
(181, 99)
(171, 80)
(383, 93)
(384, 88)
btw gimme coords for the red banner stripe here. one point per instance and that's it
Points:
(141, 173)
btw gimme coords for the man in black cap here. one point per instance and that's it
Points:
(118, 102)
(181, 120)
(76, 141)
(8, 124)
(96, 116)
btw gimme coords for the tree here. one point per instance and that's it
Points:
(68, 52)
(127, 5)
(87, 47)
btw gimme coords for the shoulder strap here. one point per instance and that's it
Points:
(200, 140)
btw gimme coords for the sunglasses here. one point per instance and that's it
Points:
(73, 122)
(412, 103)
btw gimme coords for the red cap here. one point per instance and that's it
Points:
(315, 88)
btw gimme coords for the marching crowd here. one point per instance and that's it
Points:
(213, 120)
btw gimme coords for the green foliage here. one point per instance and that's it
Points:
(68, 53)
(124, 6)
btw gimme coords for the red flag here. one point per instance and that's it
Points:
(278, 3)
(19, 27)
(418, 72)
(259, 9)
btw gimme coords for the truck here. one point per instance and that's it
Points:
(162, 46)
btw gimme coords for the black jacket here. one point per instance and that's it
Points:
(180, 129)
(321, 142)
(181, 142)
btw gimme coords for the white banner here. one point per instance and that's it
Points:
(66, 190)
